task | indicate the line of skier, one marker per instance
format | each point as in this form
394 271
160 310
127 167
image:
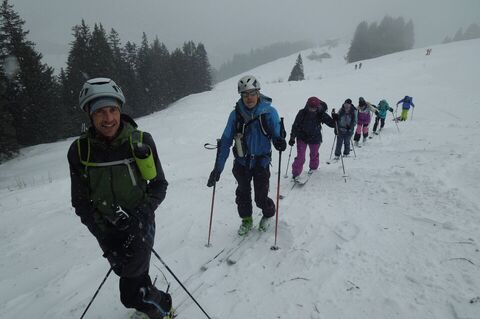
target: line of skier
117 180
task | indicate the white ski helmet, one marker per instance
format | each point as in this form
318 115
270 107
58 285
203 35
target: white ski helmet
247 83
99 87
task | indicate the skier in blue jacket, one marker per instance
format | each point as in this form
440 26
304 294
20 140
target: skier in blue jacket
254 124
407 102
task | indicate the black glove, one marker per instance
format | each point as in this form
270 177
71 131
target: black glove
280 144
144 216
335 116
348 127
335 131
291 142
214 178
391 110
376 113
121 219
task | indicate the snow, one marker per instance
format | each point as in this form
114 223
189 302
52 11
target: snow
399 239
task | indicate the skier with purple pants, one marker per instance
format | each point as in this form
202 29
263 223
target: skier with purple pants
307 129
363 119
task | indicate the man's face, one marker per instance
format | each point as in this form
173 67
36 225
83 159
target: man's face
107 121
250 98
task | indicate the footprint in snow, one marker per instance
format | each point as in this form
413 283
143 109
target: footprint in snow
346 230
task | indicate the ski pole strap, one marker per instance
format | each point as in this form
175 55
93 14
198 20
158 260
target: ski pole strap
209 146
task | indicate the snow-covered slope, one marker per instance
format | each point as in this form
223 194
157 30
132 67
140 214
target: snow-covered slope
399 239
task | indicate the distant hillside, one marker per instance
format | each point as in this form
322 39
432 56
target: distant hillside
246 61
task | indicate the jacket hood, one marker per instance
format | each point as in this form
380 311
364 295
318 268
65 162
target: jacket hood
264 102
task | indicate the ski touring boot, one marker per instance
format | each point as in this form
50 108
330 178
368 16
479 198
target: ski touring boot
160 302
264 224
246 226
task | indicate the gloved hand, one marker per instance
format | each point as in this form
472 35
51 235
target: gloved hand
391 110
280 144
335 130
335 116
144 216
214 178
376 113
291 142
121 219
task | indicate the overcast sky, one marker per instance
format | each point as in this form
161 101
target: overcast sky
235 26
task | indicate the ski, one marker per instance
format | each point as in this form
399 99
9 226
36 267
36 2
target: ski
235 255
221 255
140 315
299 182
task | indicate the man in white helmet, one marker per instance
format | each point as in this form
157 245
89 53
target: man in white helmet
115 197
254 125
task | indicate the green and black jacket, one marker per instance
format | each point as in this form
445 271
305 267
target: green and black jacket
96 190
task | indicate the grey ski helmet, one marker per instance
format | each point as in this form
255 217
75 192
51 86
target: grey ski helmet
247 83
99 87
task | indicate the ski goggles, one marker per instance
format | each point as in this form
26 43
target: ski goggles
249 93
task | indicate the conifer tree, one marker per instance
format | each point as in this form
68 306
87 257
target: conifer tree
31 90
77 72
202 69
297 71
8 136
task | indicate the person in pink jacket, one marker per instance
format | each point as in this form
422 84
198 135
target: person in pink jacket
364 111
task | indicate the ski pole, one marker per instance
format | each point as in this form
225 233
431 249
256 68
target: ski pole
283 134
334 139
168 268
353 147
179 282
396 123
96 292
341 156
288 162
411 116
211 215
207 146
343 166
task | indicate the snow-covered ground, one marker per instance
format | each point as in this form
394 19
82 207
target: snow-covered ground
399 239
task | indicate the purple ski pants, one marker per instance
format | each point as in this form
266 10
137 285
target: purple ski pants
298 162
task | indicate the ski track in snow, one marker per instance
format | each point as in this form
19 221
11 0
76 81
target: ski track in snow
399 239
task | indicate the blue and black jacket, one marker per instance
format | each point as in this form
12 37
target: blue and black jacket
258 134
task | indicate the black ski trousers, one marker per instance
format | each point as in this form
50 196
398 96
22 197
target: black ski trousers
261 182
133 272
382 123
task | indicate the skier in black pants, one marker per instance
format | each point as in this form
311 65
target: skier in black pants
345 122
116 197
254 125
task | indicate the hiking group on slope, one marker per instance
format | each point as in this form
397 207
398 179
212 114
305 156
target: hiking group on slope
117 180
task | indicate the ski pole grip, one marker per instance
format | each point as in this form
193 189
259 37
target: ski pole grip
283 133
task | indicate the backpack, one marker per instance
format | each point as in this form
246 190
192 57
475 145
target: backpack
83 148
242 121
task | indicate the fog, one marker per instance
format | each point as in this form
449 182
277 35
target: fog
231 26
